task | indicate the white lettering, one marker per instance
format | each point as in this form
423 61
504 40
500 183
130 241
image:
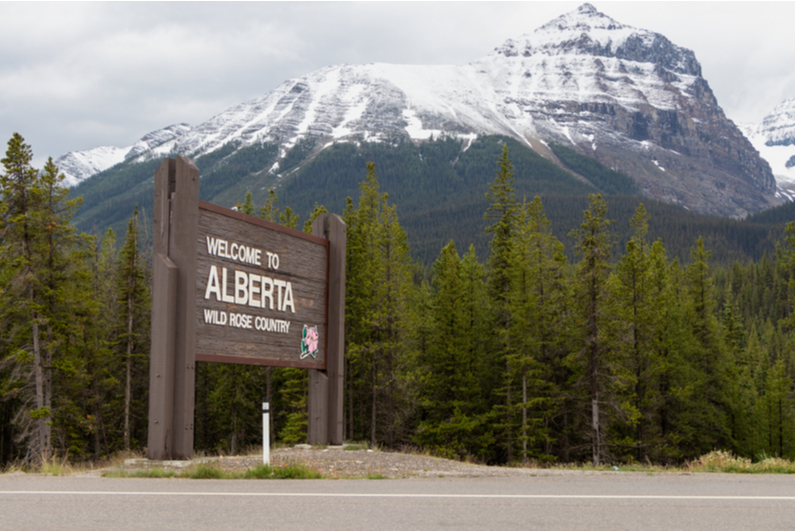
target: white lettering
241 287
253 289
212 284
288 298
240 320
212 245
224 295
267 291
264 324
279 284
214 317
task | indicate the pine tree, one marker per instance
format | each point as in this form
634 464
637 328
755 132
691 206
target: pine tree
592 299
66 310
269 211
247 207
389 316
778 411
377 290
43 304
709 406
22 201
449 390
536 305
502 212
104 336
133 316
363 271
639 311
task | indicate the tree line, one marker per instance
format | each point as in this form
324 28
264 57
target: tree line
615 355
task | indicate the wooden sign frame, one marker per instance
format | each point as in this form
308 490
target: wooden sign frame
283 279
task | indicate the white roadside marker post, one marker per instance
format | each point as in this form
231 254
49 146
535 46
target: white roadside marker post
266 435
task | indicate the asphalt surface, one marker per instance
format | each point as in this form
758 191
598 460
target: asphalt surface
571 501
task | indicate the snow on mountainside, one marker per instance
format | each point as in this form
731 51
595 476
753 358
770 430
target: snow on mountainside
79 165
775 140
628 97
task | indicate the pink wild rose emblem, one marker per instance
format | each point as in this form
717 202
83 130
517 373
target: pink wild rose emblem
309 342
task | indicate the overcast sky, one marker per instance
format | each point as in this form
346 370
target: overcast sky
75 76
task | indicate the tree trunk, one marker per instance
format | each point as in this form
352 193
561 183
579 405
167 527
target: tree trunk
373 408
128 385
524 415
43 429
350 398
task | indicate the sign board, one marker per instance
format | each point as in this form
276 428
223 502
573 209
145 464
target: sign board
231 288
261 292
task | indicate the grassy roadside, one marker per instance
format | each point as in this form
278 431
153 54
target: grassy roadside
714 462
210 471
717 461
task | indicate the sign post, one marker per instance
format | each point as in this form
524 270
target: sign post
231 288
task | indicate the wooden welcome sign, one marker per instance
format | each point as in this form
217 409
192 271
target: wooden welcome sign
261 292
231 288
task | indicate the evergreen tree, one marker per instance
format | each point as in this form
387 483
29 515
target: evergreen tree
247 207
43 291
378 278
134 313
104 336
709 406
502 211
536 307
269 211
449 387
22 304
594 356
639 312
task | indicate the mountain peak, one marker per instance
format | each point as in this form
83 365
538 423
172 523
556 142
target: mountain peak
585 17
587 31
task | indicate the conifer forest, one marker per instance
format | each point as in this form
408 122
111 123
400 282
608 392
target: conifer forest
619 354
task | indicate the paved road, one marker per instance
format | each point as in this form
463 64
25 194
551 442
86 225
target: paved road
571 501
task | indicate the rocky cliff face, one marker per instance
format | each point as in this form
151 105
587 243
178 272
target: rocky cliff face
625 96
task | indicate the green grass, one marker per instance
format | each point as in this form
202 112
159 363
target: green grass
142 473
204 471
210 471
290 471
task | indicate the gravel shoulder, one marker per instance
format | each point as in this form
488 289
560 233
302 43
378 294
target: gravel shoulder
337 462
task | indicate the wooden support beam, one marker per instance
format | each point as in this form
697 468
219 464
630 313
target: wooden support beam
326 398
164 306
335 360
182 251
161 366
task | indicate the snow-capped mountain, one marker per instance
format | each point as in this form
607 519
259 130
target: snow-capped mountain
775 140
628 97
78 165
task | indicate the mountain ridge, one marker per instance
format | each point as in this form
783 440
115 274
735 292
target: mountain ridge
627 97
